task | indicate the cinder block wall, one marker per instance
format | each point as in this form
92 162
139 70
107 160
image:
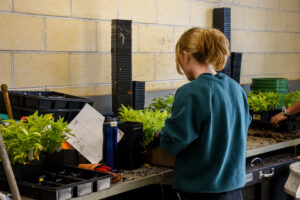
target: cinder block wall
64 45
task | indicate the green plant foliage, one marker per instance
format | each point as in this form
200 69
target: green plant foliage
162 104
21 141
24 140
263 101
152 121
291 98
53 133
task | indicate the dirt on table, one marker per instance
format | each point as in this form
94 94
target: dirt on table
142 172
262 137
256 139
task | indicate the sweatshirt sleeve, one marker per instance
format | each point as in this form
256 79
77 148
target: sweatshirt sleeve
183 127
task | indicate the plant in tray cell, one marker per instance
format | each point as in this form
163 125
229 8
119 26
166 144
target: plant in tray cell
273 100
153 120
23 143
53 133
257 102
291 98
25 140
263 101
162 104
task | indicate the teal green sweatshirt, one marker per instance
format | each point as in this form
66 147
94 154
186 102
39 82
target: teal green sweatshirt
208 134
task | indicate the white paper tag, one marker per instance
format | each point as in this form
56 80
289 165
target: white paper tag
120 135
87 127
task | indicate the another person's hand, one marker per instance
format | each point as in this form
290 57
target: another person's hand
277 118
156 142
157 134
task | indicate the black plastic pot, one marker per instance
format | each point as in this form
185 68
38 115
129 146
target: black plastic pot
24 172
130 148
67 157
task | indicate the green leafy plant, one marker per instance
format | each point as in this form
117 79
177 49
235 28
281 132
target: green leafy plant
24 140
152 121
263 101
53 133
162 104
291 98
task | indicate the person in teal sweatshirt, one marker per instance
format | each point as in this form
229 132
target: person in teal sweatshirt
207 130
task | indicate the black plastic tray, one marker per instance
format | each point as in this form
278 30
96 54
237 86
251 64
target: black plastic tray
61 182
43 100
285 126
18 112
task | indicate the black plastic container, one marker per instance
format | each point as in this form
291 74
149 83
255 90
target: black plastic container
44 100
284 126
67 157
227 69
61 182
121 42
222 21
24 172
138 88
236 63
67 114
264 116
130 147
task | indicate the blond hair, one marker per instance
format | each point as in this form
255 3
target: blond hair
207 46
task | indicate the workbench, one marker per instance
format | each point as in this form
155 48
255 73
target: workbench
259 142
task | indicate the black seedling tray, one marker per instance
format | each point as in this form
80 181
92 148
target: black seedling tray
61 182
138 88
43 100
236 63
264 116
18 112
24 172
285 126
121 63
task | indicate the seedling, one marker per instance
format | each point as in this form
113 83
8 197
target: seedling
263 101
162 104
25 140
291 98
152 121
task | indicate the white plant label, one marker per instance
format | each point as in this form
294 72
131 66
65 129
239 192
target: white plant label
87 127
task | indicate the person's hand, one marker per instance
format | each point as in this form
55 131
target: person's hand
157 134
156 141
276 119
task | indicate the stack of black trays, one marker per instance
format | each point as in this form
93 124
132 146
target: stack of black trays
222 22
25 103
138 95
121 42
236 63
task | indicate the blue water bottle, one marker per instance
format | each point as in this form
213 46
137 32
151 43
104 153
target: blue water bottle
110 144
